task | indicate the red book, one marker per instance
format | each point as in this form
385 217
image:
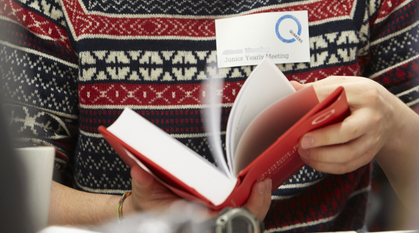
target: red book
265 124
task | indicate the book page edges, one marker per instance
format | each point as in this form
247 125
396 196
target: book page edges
281 160
271 123
265 86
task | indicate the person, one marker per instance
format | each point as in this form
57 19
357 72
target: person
70 66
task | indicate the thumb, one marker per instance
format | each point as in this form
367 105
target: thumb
147 192
141 177
260 199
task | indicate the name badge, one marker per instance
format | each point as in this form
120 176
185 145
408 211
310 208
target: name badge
247 40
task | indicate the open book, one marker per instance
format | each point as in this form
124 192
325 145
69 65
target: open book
264 127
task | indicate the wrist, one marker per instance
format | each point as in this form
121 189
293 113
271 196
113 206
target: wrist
401 134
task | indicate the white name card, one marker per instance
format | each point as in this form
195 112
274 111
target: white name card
246 40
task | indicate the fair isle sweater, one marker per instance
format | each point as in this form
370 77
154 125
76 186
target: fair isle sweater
69 66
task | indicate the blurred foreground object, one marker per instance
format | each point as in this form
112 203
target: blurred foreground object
37 167
14 216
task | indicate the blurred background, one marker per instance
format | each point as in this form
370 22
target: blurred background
385 210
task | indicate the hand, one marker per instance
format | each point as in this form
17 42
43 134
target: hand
148 194
346 146
379 125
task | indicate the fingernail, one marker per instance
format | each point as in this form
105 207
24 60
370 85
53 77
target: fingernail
307 142
261 187
303 152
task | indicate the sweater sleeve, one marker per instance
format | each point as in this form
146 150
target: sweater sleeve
38 73
394 48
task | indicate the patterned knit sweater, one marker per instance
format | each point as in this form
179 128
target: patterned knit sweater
69 66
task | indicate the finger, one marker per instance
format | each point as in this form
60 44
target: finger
337 80
340 168
325 87
260 199
266 200
148 193
147 187
143 178
358 89
343 153
297 86
352 127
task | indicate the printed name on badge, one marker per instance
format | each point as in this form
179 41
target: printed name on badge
246 40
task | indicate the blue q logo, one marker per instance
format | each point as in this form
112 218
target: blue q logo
295 35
